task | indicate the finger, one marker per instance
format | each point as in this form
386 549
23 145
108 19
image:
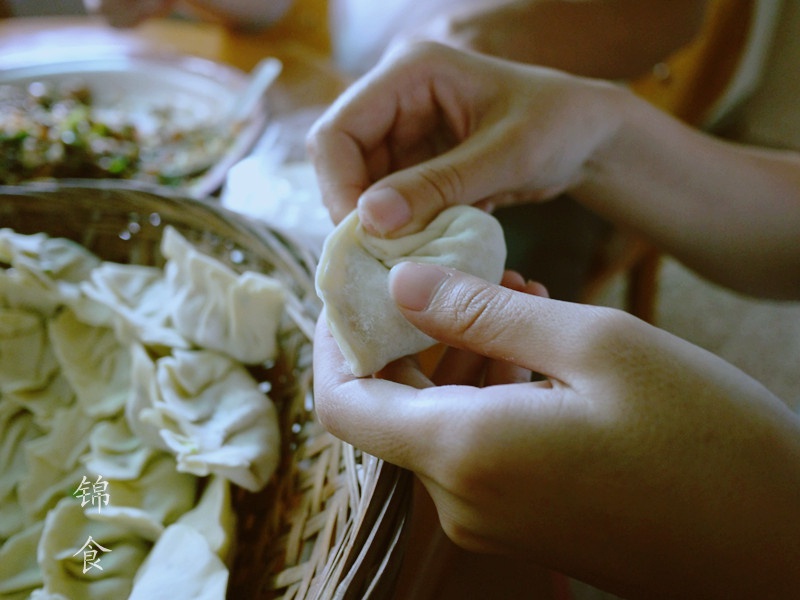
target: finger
340 168
406 371
423 430
405 201
401 424
464 367
556 339
349 139
460 367
384 418
499 371
425 93
513 280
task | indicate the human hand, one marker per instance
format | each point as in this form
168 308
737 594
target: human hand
430 127
128 13
642 464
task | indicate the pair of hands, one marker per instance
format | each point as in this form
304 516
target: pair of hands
640 463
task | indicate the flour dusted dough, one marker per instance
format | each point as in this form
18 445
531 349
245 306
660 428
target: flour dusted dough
218 309
354 268
208 411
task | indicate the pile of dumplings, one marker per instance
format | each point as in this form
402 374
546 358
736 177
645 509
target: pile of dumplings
137 376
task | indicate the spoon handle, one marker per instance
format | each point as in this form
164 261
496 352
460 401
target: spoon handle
261 77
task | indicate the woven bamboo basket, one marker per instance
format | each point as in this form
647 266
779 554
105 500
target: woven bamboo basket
331 522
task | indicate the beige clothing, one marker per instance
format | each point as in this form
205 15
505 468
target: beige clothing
770 114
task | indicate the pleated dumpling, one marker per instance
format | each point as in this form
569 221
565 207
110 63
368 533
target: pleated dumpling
55 266
218 309
26 362
352 280
53 462
209 412
133 300
68 534
149 503
181 566
17 428
188 560
19 571
94 362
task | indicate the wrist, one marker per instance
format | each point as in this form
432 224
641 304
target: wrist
614 147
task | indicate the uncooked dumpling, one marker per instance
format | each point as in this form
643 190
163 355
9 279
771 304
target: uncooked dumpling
207 410
19 571
181 566
131 299
55 266
67 530
214 518
26 362
218 309
94 363
354 268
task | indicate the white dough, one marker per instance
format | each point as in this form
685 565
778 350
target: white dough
207 410
218 309
352 280
181 566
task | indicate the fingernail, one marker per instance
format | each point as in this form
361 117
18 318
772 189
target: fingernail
383 211
413 285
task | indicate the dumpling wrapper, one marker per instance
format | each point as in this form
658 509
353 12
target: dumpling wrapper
45 402
181 566
134 301
42 594
20 289
94 362
26 362
19 571
214 518
57 264
17 428
66 529
48 257
12 517
115 452
159 496
53 462
218 309
207 410
352 280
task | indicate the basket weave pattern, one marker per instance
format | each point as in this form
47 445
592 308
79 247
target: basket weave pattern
331 522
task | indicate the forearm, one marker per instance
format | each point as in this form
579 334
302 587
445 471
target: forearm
730 212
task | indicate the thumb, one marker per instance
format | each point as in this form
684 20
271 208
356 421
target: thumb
554 338
407 200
